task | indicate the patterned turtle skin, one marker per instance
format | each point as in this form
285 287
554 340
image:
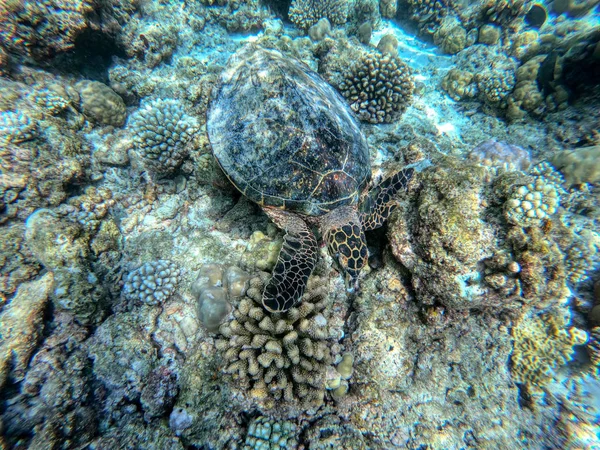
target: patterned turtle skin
289 142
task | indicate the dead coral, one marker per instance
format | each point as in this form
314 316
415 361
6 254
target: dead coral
279 357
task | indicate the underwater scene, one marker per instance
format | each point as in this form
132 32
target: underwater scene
299 224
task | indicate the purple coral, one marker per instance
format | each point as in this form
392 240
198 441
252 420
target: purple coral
500 155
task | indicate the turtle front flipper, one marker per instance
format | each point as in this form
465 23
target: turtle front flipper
381 201
296 261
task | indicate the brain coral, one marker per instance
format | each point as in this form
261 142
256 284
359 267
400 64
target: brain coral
101 103
379 87
161 131
283 356
306 13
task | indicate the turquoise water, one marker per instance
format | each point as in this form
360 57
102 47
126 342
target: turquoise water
362 224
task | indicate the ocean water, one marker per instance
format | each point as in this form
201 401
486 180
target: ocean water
334 224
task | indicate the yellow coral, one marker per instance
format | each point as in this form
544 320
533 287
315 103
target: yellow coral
541 345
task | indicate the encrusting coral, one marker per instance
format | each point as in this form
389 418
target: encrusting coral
282 356
541 345
379 87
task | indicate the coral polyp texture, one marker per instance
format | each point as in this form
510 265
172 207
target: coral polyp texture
100 103
153 282
16 127
532 203
264 433
279 357
379 87
161 129
429 13
542 345
306 13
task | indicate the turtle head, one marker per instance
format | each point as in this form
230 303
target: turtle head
348 248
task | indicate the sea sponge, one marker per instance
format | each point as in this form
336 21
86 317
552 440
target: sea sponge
265 433
379 87
581 165
279 357
153 282
306 13
16 127
541 345
161 129
101 103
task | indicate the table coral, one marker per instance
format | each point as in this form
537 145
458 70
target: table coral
379 87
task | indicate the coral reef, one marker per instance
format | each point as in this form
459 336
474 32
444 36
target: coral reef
279 357
100 103
429 13
215 288
21 323
16 127
268 434
500 156
530 204
161 129
379 88
306 13
505 11
542 345
153 282
581 165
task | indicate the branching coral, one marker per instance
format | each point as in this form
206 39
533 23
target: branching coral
306 13
378 87
279 357
161 130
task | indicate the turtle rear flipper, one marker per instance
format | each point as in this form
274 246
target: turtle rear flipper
381 201
296 261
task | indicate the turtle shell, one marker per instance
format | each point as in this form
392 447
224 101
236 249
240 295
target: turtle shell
284 137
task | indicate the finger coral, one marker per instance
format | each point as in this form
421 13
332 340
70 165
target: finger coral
153 282
161 130
279 357
379 88
306 13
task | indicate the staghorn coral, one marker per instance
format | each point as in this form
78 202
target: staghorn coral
100 103
279 357
306 13
161 129
379 87
153 282
541 345
265 433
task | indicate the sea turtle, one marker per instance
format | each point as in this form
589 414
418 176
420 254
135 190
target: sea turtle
289 142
